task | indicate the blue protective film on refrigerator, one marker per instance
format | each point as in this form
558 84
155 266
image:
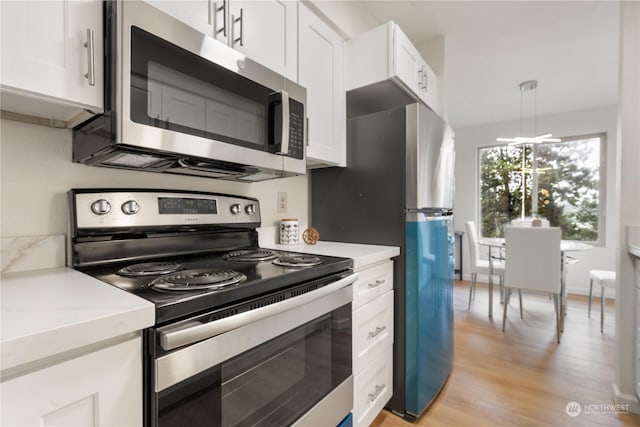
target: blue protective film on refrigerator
429 309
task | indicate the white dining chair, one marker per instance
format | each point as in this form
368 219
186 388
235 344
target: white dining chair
606 279
478 265
533 263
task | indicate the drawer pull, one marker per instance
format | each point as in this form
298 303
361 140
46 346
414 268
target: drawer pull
377 283
373 396
377 331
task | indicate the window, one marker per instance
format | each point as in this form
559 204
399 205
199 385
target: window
568 176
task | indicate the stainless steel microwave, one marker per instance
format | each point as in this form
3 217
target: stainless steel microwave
179 101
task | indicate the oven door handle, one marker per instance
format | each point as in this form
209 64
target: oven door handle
180 335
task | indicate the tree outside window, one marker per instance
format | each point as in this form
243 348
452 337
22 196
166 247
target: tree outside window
568 177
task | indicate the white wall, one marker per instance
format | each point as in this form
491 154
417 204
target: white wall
37 171
350 18
629 207
469 139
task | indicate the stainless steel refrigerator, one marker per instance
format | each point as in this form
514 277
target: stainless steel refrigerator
397 189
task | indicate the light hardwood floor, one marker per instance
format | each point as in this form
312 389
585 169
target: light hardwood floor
523 377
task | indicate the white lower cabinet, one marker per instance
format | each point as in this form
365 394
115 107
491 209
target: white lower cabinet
372 283
373 388
372 331
102 388
372 341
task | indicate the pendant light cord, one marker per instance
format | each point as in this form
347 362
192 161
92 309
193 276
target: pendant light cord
535 111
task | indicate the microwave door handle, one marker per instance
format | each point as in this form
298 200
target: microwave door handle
284 142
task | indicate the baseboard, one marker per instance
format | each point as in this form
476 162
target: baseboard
626 399
483 280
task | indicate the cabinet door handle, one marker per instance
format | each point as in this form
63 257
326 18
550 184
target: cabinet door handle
91 69
239 19
377 283
424 78
373 396
377 332
420 77
215 11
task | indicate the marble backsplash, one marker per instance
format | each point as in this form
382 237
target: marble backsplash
23 253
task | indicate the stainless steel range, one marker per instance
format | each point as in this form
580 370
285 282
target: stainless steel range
243 335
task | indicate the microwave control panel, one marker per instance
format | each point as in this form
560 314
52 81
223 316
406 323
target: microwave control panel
296 130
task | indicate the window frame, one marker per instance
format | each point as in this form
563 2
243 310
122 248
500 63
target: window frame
602 183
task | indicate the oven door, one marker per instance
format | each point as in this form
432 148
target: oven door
185 93
289 365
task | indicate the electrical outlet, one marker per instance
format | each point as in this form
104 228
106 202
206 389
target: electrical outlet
282 202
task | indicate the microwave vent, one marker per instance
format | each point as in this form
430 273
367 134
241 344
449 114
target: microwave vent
132 160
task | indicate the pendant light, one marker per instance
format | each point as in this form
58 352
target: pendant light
529 85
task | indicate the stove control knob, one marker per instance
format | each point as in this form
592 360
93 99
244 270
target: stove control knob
101 207
236 208
250 209
130 207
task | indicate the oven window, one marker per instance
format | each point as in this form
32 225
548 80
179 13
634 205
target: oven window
270 385
172 88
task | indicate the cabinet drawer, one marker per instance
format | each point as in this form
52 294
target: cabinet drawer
372 331
373 388
372 283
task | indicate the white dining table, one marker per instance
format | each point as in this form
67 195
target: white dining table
565 247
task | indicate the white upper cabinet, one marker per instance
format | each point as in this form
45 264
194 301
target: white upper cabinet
52 53
199 14
384 53
266 32
408 64
263 30
414 71
321 71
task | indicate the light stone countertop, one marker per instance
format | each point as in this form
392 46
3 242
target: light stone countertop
52 311
362 255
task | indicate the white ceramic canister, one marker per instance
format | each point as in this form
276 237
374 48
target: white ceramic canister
289 232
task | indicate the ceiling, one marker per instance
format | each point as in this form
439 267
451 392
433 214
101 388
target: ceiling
490 47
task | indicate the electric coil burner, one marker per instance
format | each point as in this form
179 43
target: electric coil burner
188 280
149 269
297 260
229 315
251 255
